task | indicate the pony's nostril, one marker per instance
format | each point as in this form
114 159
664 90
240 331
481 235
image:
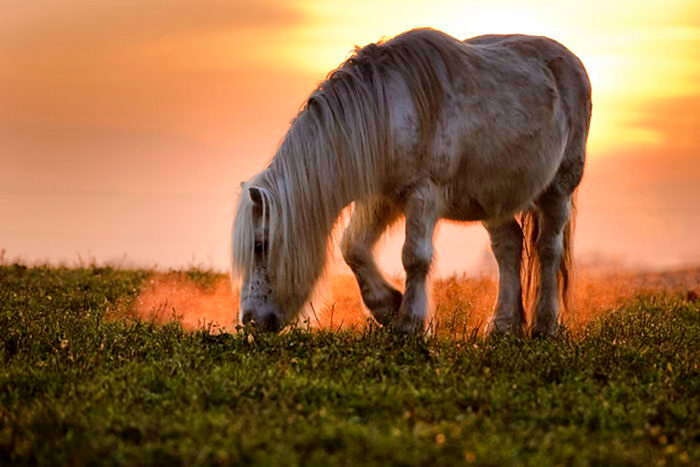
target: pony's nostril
270 323
247 317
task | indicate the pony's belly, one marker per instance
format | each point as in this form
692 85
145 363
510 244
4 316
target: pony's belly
466 209
475 208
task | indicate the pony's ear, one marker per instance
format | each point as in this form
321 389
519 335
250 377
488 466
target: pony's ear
256 196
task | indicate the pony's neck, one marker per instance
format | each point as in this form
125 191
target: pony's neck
329 158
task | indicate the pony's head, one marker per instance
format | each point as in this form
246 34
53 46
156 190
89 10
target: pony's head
253 238
274 252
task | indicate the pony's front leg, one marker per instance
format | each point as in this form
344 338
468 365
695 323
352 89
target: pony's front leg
368 221
507 246
417 254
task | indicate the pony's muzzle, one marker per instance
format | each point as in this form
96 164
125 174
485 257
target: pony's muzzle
268 322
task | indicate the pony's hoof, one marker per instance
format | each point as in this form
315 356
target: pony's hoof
406 323
505 327
546 330
387 310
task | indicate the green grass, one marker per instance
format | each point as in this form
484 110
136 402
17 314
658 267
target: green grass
78 387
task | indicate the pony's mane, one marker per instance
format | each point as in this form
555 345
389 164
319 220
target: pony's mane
336 151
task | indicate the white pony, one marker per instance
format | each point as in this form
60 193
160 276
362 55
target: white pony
429 127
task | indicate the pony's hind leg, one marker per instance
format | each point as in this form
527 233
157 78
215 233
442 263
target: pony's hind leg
507 246
554 210
421 213
368 221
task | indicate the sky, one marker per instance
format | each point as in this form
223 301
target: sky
127 126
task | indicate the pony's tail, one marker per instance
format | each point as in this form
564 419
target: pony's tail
530 270
530 223
566 268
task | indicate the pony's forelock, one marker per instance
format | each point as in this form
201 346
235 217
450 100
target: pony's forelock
248 215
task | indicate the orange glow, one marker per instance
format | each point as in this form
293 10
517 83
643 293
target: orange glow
169 298
463 305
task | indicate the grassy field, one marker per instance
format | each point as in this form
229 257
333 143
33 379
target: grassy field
85 380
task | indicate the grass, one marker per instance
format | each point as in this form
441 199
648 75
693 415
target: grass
81 384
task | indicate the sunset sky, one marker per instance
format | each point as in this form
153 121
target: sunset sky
126 126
